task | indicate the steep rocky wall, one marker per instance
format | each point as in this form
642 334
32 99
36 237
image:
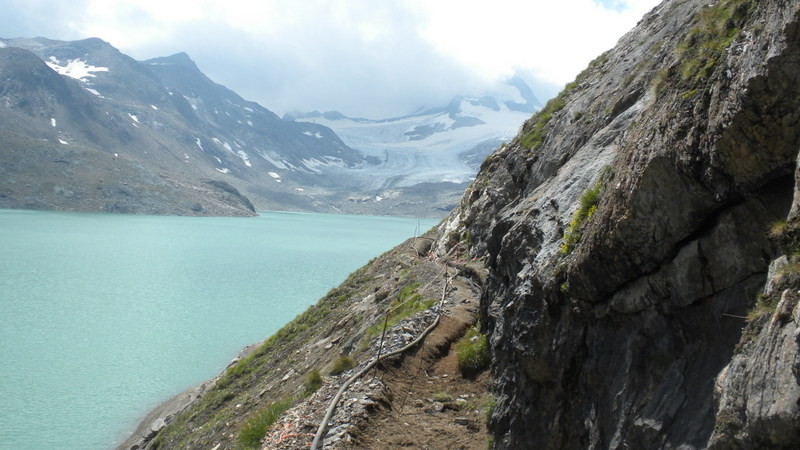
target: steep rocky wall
610 321
757 393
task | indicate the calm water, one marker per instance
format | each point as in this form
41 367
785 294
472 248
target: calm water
102 317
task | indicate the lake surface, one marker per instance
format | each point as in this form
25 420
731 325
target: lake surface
104 316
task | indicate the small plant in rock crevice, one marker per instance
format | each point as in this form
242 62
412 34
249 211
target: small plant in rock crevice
777 229
472 353
765 305
586 208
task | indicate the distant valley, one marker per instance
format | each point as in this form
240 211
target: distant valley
85 127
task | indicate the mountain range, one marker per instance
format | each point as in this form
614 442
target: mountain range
85 127
433 145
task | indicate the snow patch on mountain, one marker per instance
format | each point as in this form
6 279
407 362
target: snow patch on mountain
225 145
244 158
74 68
279 163
193 102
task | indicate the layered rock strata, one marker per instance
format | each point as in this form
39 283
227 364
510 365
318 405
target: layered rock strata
626 232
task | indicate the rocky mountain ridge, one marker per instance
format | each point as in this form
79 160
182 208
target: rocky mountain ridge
162 116
61 150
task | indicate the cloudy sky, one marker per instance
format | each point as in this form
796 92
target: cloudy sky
368 58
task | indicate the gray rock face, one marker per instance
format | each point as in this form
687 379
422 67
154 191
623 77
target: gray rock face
686 132
758 391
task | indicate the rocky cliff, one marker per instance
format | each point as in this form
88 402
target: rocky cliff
626 231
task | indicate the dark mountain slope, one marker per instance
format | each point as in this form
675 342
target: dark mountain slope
165 116
59 152
218 111
625 230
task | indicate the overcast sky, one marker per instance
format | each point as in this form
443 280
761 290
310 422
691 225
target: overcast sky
368 58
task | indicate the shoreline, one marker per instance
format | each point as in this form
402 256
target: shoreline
160 416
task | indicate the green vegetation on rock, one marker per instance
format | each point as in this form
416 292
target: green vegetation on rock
472 353
718 25
255 428
534 129
534 136
408 302
586 208
342 364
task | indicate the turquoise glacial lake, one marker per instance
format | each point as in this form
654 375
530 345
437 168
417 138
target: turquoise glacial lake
102 317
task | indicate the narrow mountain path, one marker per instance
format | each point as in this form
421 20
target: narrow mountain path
414 399
427 404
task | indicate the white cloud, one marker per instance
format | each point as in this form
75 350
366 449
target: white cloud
554 39
363 57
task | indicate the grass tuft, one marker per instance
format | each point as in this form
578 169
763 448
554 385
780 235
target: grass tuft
472 353
442 397
255 428
342 364
311 382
